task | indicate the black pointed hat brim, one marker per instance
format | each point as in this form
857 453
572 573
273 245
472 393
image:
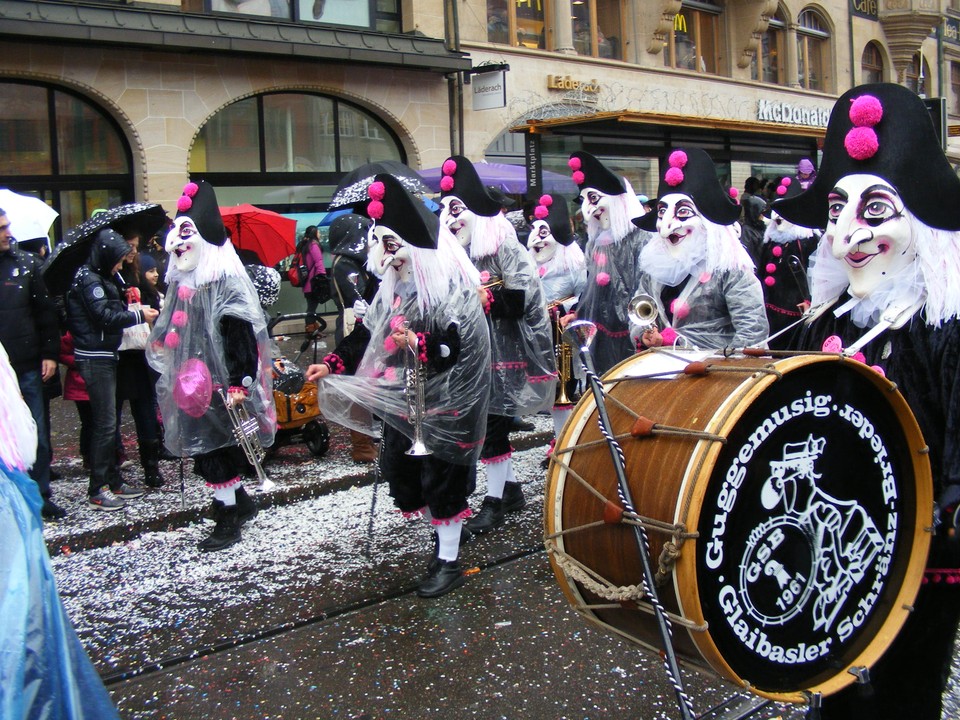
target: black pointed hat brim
557 216
199 203
392 205
588 172
691 172
459 178
885 130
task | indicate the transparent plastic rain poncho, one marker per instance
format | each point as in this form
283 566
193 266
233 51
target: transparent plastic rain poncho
44 669
455 400
186 348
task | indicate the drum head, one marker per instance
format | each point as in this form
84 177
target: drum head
811 528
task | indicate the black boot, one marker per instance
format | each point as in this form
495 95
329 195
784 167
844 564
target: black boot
150 460
445 578
513 499
227 530
434 562
246 506
489 517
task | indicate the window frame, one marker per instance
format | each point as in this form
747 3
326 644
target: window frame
699 10
807 34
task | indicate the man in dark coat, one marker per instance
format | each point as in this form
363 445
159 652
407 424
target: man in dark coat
29 332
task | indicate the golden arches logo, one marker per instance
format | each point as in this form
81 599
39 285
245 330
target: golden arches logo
680 22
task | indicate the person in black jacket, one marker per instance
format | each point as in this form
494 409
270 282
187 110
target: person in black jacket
96 317
29 333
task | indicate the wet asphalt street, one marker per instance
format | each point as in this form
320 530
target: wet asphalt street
313 614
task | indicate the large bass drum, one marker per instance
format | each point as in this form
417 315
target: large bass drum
788 504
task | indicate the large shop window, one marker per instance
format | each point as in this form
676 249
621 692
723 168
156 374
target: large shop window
597 28
64 149
813 52
694 43
516 22
288 149
382 15
767 65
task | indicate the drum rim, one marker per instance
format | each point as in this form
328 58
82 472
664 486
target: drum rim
689 505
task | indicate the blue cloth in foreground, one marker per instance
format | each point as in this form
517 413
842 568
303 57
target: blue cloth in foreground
45 673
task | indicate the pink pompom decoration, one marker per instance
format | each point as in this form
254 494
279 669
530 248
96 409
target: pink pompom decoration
540 212
866 111
777 251
190 189
546 200
677 159
861 143
781 190
396 322
389 345
185 293
771 268
184 203
574 163
668 336
673 177
579 178
375 209
600 259
446 183
179 318
603 279
172 340
769 281
832 344
390 374
484 276
377 190
542 270
879 370
193 388
734 193
786 182
680 310
449 167
705 277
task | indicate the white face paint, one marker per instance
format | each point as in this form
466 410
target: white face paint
596 205
781 224
396 252
541 242
460 219
679 223
184 244
377 261
868 230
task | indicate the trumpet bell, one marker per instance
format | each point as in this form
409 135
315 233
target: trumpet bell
642 310
418 449
580 334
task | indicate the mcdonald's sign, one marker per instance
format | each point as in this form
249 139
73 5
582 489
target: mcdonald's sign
680 22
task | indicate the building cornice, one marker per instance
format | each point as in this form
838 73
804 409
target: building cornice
173 30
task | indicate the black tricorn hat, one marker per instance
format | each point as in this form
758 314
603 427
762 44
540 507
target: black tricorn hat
690 171
553 210
787 187
459 178
199 203
590 172
393 206
885 130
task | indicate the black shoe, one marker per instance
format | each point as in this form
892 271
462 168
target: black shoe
434 562
52 511
521 425
489 517
447 577
225 533
55 475
246 506
513 499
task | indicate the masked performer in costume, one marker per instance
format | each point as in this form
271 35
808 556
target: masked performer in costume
695 269
784 258
613 247
423 337
209 342
563 273
46 672
522 377
888 198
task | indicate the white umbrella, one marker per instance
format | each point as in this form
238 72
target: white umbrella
29 217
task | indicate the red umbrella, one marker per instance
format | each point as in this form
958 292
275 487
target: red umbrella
270 235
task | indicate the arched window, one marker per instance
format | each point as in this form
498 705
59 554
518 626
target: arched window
813 52
871 64
770 67
918 76
64 149
694 43
285 150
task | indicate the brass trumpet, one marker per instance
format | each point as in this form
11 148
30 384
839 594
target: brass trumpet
246 430
564 355
416 403
642 311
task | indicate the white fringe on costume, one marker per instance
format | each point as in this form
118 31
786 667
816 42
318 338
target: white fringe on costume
623 208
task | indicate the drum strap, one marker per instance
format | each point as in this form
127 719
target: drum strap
893 317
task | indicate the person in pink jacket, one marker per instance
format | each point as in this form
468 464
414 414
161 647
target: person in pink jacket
316 289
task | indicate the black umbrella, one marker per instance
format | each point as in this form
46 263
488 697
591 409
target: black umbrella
353 186
59 269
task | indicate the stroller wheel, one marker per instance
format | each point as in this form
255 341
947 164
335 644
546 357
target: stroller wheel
316 436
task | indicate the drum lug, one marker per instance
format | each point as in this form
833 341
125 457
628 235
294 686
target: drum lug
861 673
